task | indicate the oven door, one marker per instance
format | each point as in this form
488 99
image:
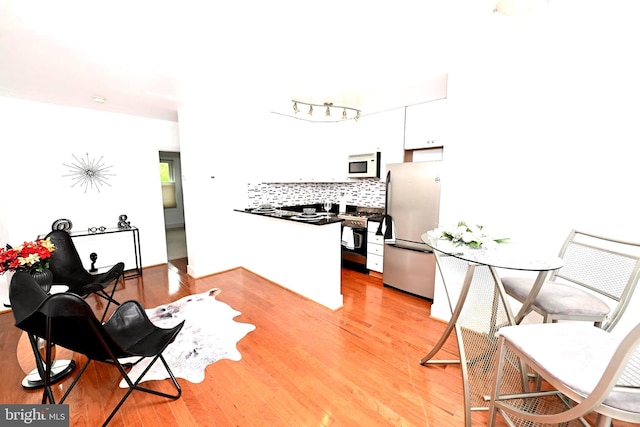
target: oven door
357 255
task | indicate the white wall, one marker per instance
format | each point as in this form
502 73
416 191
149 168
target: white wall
544 127
216 155
37 139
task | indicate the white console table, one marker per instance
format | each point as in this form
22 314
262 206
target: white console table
132 245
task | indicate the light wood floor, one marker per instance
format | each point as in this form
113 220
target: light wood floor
304 365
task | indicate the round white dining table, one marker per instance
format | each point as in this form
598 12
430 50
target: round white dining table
480 307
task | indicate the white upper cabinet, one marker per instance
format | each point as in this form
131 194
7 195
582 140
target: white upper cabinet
424 125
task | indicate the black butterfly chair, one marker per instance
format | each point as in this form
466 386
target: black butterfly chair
66 320
67 269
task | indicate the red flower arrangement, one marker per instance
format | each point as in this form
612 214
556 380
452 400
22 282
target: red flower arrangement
28 257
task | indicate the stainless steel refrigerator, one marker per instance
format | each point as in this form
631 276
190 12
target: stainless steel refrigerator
413 203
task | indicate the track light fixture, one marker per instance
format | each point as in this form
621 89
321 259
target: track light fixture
347 112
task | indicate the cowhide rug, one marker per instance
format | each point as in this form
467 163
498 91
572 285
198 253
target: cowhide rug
208 335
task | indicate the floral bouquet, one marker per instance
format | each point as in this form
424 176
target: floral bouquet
473 236
30 256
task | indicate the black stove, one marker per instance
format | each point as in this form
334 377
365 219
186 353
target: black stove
354 228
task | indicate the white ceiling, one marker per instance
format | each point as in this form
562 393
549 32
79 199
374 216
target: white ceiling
146 56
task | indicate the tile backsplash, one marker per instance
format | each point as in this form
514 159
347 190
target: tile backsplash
361 192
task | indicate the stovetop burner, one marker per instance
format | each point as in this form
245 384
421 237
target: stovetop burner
359 217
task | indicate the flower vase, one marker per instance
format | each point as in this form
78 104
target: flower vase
43 278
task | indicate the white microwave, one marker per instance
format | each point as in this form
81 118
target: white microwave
364 165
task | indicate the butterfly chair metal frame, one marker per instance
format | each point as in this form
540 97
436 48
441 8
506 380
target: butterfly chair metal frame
590 369
65 319
68 269
594 267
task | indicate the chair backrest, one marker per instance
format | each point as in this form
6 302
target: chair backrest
64 319
607 266
623 374
65 263
25 298
630 376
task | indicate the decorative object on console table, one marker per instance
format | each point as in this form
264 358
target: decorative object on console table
62 224
123 224
93 257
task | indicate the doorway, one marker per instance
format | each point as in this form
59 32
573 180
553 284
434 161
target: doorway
171 181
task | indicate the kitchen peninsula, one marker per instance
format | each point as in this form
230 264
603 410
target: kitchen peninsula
302 256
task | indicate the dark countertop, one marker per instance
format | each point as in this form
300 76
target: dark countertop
377 218
289 215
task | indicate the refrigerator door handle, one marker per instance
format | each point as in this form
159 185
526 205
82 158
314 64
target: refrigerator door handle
405 247
386 193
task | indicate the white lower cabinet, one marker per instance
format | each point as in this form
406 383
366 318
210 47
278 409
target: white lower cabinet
375 247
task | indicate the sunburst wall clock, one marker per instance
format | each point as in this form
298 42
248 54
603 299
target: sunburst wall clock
88 173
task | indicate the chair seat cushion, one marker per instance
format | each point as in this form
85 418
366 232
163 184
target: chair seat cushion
558 298
132 330
575 354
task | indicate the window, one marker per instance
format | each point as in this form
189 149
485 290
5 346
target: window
166 170
168 184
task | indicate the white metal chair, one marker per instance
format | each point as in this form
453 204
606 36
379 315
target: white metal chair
592 370
596 269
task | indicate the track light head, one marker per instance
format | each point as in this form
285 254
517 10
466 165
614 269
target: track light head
328 111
